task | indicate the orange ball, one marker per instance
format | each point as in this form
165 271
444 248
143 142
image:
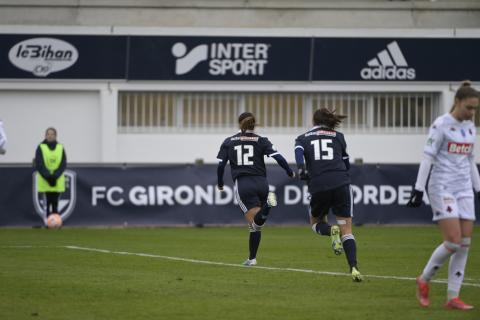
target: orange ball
54 221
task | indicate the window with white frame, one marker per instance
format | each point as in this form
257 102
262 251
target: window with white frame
399 112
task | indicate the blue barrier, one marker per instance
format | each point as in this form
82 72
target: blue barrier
186 195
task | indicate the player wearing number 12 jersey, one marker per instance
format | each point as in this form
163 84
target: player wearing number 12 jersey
322 160
246 151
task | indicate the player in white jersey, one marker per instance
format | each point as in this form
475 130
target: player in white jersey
3 139
449 155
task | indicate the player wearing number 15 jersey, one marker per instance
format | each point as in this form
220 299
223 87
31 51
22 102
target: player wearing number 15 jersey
323 150
246 151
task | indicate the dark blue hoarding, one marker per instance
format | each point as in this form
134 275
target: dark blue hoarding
186 195
219 58
63 57
203 58
403 59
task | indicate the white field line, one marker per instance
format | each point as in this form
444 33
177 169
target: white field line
24 247
477 285
255 267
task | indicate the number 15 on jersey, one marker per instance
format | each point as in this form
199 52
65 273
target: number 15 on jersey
322 149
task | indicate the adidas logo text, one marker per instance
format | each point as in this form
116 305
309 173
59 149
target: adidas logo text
390 65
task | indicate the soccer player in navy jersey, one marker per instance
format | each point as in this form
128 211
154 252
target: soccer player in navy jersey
245 151
322 161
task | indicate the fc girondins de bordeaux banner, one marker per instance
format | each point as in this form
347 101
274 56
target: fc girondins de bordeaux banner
186 195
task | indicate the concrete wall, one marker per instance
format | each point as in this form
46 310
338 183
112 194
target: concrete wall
85 114
75 114
244 14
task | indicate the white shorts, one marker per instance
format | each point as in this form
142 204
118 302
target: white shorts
447 205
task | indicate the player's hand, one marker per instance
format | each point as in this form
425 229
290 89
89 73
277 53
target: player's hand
415 200
220 188
303 174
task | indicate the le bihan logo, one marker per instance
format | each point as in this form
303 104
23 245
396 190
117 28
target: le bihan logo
390 64
239 59
42 56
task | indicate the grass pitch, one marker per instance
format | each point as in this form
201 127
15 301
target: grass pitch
42 277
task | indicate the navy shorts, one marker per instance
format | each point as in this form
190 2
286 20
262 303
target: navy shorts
340 200
251 192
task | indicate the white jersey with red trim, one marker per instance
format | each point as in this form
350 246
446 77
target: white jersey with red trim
450 143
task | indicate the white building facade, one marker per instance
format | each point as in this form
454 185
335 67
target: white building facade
136 119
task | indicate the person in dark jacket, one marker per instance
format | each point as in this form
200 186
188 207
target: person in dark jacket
50 164
3 139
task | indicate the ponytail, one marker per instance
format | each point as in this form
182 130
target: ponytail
246 121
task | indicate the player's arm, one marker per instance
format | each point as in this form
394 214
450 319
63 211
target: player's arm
345 156
3 141
282 162
222 158
475 175
61 169
40 165
272 152
434 141
300 160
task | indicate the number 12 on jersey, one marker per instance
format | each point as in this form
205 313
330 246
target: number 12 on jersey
322 149
244 156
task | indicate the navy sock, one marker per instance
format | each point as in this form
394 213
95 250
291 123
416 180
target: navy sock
262 215
323 228
350 248
254 242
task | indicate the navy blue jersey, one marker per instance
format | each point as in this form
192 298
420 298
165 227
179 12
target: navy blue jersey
245 153
325 152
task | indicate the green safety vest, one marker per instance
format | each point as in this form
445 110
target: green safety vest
52 160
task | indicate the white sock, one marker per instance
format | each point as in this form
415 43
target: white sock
438 258
456 269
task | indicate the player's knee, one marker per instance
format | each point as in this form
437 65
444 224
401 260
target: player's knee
466 241
451 246
253 227
348 236
465 244
345 225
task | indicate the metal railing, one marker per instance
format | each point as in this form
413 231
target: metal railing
197 112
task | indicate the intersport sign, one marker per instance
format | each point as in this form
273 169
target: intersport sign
218 58
235 58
